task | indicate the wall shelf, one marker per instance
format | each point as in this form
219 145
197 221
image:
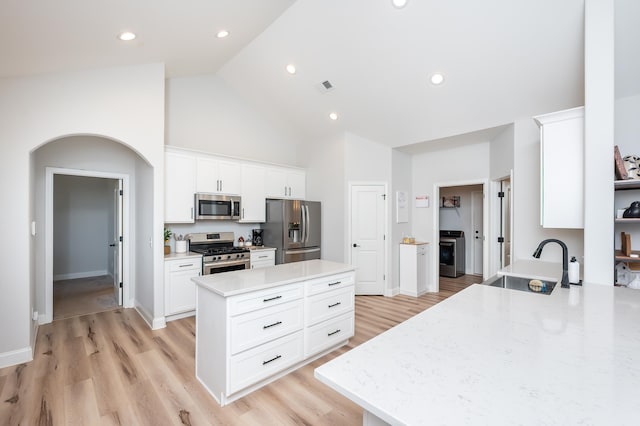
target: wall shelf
622 258
627 184
630 220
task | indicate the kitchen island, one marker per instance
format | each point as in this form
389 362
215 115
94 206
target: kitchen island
490 355
255 325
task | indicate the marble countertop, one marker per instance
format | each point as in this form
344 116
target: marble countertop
489 355
260 248
238 282
178 256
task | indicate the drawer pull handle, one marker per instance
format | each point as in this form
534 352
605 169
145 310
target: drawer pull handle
334 305
262 257
336 283
184 266
271 325
333 332
271 360
271 298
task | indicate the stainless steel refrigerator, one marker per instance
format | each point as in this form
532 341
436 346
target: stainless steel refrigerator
293 228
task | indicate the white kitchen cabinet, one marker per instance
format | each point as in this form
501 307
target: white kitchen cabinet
253 207
218 176
179 290
263 258
285 183
414 269
562 168
179 187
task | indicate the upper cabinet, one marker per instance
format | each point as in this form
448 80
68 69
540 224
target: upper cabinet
286 183
179 187
562 168
253 205
188 172
218 176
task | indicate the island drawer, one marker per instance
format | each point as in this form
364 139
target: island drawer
263 361
264 298
332 282
258 327
328 333
327 305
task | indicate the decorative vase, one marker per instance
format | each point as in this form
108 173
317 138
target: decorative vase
167 249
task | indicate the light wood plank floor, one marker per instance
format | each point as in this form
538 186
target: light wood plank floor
111 369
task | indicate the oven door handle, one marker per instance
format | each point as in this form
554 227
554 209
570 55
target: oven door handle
227 263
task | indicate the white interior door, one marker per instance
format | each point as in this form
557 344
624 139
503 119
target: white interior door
367 237
477 200
117 243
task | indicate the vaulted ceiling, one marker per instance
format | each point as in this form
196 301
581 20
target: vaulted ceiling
501 59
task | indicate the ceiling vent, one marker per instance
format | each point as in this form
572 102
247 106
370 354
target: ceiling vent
325 86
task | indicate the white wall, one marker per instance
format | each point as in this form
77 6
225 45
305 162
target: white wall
527 231
82 218
126 104
324 161
627 125
401 180
205 114
501 157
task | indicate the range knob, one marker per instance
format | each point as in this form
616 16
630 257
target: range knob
229 257
219 258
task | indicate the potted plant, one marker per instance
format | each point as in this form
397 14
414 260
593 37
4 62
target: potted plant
167 235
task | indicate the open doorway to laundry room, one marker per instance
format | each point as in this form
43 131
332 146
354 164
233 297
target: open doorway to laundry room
87 246
461 232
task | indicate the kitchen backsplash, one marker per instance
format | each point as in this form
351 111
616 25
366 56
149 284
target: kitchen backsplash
238 229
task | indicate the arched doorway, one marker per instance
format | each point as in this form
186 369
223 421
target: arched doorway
89 156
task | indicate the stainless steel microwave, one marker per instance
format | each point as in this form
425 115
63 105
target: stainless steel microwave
217 207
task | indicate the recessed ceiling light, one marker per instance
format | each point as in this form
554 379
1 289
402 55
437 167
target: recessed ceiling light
222 33
126 36
399 4
437 78
291 69
333 116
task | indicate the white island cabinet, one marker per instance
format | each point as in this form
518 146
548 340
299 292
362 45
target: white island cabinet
255 325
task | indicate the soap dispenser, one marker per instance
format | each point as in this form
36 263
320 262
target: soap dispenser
574 271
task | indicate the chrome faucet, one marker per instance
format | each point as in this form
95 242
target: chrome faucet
565 259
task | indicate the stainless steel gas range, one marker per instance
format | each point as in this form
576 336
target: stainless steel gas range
218 252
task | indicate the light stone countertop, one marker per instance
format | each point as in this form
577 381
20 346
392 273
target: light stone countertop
178 256
490 355
533 268
260 248
238 282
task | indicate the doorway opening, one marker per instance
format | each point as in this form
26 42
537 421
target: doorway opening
87 257
86 234
459 231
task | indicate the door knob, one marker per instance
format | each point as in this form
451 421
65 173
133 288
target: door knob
355 245
112 245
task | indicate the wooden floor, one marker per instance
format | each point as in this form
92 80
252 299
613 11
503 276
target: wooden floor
111 369
82 296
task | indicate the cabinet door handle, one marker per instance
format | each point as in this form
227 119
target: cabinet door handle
333 332
264 327
271 298
184 266
336 283
285 191
220 185
191 212
334 305
271 360
243 212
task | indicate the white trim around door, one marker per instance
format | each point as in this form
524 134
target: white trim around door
47 316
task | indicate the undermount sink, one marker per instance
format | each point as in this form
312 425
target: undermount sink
521 284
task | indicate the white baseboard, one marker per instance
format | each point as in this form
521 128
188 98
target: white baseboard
76 275
153 323
390 292
19 356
